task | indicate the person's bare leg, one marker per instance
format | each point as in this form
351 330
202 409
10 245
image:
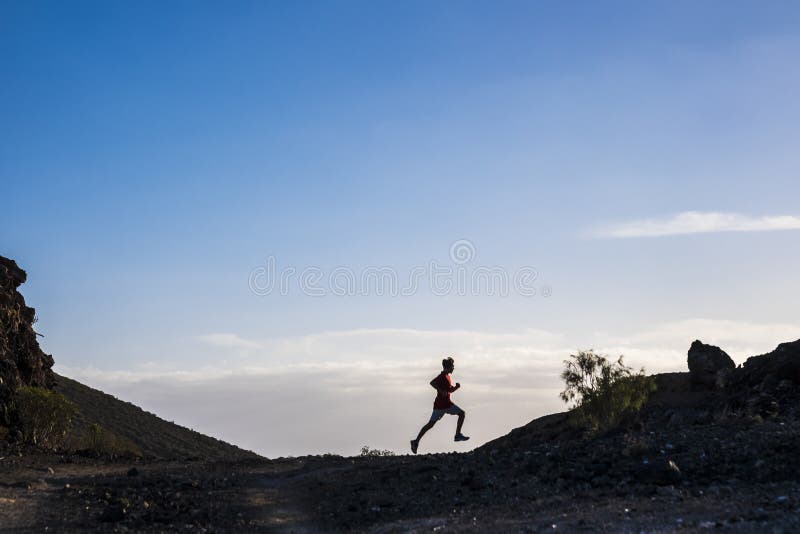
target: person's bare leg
415 442
460 422
424 429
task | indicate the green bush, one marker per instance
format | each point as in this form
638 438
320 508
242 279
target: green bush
603 393
366 451
43 417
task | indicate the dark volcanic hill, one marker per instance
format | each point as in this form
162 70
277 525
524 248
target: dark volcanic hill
154 436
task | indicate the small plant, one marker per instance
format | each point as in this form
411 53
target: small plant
366 451
637 449
755 419
43 417
99 442
603 392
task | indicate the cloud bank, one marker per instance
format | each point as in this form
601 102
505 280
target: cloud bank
697 222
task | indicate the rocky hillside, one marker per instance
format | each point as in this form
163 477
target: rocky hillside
155 437
22 361
763 389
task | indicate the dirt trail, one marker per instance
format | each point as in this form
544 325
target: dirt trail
426 493
42 492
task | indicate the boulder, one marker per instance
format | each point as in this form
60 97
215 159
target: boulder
709 366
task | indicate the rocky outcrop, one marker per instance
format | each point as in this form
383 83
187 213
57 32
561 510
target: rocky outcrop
767 385
780 366
22 361
709 366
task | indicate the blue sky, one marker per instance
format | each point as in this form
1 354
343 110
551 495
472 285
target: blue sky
152 155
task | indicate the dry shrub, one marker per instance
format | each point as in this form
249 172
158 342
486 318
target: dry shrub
604 393
99 442
43 417
367 451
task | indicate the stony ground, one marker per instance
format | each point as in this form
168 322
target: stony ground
736 474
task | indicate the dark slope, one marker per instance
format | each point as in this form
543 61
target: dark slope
155 437
672 401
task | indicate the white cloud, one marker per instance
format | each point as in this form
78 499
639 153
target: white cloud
228 340
384 350
698 222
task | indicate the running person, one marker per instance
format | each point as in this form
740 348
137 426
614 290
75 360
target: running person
442 404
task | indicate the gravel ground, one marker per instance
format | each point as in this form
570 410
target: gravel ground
735 475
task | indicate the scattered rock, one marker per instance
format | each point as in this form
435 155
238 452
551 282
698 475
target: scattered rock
659 472
112 513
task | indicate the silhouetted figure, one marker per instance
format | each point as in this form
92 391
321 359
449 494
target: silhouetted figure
442 404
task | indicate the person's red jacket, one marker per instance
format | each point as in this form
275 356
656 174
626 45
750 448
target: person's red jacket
443 387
